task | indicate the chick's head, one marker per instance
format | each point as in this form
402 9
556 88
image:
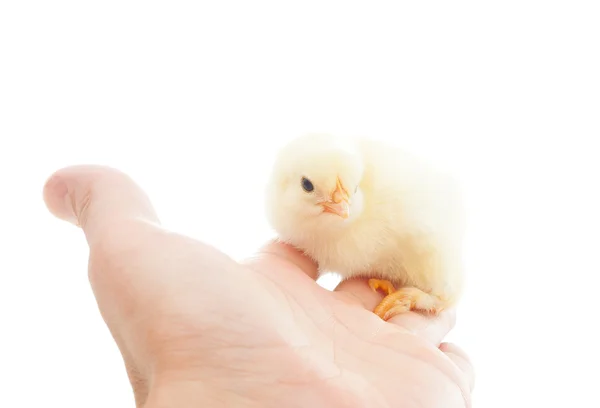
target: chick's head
315 185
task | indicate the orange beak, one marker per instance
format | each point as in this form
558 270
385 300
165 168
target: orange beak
339 203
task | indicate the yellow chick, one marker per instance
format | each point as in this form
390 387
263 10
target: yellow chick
361 208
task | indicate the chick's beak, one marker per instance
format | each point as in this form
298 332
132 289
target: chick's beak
339 203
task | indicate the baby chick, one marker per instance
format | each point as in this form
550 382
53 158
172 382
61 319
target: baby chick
361 208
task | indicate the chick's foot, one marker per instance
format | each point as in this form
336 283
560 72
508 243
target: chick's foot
398 301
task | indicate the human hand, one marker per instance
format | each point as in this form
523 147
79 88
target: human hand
195 327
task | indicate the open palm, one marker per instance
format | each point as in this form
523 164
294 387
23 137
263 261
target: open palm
195 326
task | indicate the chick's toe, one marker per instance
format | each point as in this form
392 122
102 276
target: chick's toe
384 285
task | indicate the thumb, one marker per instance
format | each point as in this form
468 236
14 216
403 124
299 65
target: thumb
96 198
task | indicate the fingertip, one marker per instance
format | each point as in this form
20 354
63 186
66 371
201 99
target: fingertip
55 195
454 349
94 197
68 190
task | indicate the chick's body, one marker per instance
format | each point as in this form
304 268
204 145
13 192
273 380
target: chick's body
404 228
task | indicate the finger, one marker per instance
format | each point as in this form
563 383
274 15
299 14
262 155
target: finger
433 329
276 253
359 290
98 199
129 253
105 203
462 361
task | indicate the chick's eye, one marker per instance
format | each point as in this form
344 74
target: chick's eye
307 185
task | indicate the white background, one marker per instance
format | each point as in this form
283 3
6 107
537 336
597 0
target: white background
193 98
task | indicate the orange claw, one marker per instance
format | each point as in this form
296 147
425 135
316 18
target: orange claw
384 285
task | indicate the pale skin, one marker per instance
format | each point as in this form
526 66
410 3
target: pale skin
196 328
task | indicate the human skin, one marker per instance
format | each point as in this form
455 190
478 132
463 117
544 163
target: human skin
197 328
